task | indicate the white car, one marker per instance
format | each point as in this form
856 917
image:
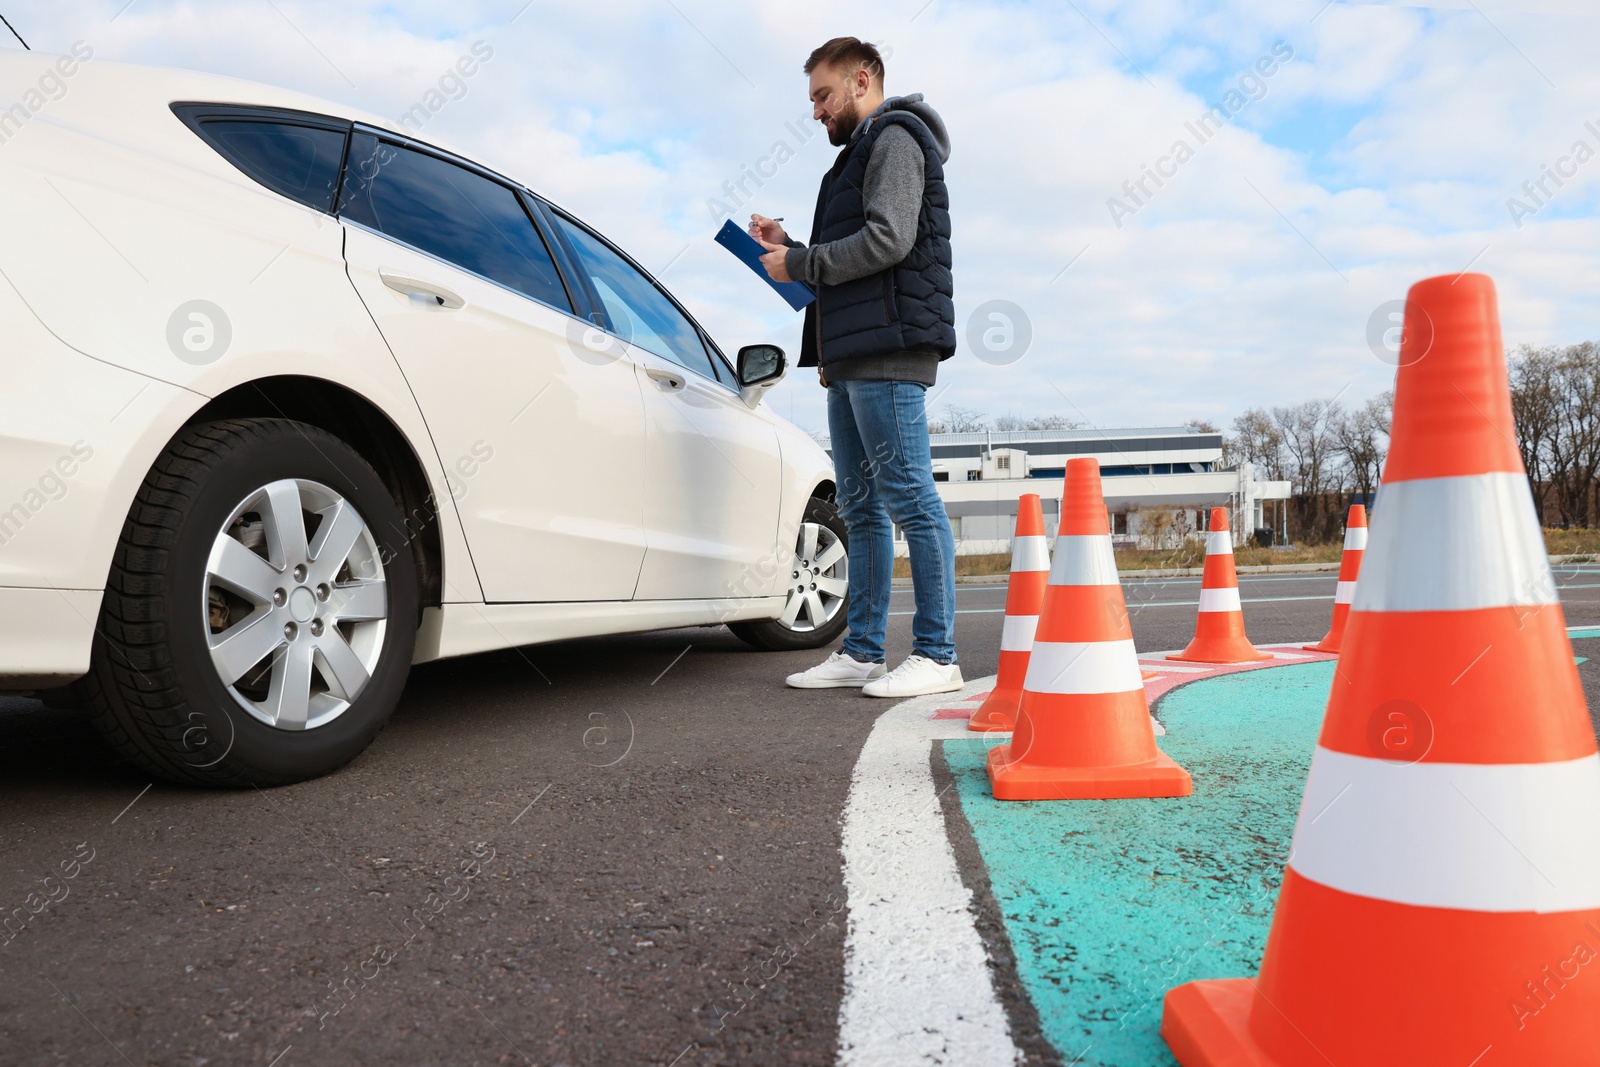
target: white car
292 400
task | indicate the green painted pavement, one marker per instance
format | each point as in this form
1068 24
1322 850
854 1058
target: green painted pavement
1108 904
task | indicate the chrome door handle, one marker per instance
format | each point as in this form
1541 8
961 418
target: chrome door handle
670 381
416 287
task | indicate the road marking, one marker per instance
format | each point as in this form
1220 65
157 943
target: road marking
1135 605
917 986
1162 665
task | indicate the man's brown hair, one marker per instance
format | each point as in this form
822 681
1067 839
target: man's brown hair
848 54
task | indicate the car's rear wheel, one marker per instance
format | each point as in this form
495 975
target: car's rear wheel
817 587
261 611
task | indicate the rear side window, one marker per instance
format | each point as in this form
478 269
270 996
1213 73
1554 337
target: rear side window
293 156
451 212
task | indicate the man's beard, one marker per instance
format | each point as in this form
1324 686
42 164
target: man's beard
844 124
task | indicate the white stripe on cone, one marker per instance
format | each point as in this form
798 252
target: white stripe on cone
1219 543
1016 633
1478 837
1084 559
1344 593
1083 667
1424 557
1355 539
1030 552
1220 599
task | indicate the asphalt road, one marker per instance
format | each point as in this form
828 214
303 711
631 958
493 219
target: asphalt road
620 850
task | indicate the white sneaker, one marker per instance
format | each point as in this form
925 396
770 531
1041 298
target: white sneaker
838 671
916 677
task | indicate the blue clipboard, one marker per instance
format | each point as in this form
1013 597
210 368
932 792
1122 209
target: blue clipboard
749 251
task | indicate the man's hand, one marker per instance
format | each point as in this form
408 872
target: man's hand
775 261
767 230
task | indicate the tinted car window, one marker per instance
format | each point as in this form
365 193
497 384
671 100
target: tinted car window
451 212
639 311
300 162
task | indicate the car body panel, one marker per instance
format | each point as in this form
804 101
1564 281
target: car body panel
122 217
146 235
713 483
463 629
75 432
548 466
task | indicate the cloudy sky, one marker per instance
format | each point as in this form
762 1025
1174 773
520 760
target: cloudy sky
1381 146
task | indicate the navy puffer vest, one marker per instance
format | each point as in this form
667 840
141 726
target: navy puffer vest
908 306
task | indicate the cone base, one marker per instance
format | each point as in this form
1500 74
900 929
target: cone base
997 714
1207 1024
1328 644
1220 650
1158 777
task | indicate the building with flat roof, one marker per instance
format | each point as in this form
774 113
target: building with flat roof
1160 483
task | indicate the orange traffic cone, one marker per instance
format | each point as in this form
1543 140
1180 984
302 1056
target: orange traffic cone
1219 634
1030 569
1083 727
1355 546
1441 905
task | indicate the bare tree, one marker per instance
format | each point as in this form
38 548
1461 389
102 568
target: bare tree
1578 441
1155 527
962 420
1535 398
1052 422
1362 439
1012 421
1309 440
1258 440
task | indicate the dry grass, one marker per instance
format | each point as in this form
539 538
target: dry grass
966 566
1193 554
1572 542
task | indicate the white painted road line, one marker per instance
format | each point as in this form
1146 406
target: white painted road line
1134 604
916 978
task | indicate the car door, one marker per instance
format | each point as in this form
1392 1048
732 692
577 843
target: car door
713 470
544 443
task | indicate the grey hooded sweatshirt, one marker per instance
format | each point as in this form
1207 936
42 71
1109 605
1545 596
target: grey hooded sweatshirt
893 195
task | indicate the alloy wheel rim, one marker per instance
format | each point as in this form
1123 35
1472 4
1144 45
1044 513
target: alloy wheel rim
295 605
819 579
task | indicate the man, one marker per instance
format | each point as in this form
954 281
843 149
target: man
884 318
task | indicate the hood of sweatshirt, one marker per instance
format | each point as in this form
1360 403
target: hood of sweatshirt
922 110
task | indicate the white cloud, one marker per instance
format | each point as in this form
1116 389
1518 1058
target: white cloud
1207 301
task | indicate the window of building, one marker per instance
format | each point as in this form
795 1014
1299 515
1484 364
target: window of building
446 210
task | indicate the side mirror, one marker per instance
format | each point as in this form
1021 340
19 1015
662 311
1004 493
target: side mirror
760 365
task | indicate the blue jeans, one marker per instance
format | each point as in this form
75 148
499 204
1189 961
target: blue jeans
884 470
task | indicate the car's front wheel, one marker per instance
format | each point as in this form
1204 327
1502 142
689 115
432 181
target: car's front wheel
261 611
817 587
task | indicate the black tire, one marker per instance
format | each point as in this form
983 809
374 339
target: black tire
771 635
155 695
